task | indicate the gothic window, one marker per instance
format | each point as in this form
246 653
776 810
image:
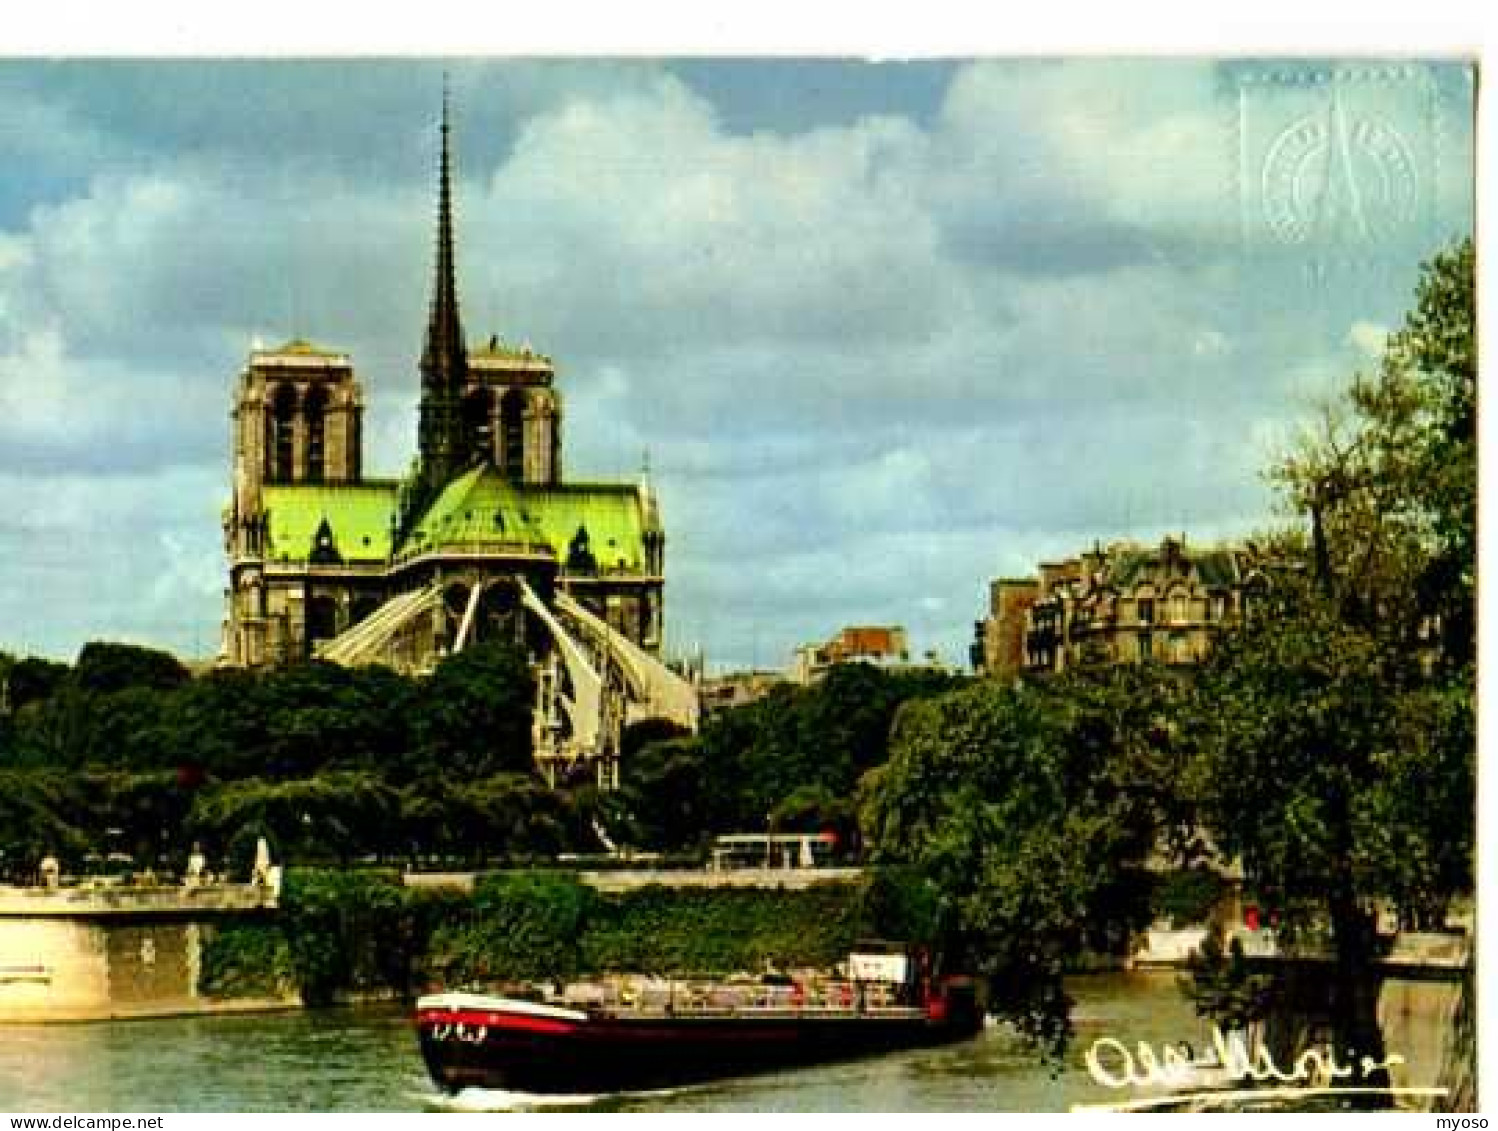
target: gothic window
1146 646
315 409
283 434
513 410
1146 606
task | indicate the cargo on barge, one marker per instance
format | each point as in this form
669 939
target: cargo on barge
634 1037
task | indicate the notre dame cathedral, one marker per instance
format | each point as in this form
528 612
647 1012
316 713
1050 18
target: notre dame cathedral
483 540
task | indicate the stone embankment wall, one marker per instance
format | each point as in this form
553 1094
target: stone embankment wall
82 955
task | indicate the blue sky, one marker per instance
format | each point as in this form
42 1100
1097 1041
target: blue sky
886 330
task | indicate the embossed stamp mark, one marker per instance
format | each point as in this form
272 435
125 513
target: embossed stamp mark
1336 161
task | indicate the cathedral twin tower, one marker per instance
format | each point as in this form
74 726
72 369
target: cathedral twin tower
325 561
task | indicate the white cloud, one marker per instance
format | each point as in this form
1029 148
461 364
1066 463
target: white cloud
1368 339
873 362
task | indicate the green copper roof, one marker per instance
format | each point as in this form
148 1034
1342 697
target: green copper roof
477 508
359 517
610 512
481 508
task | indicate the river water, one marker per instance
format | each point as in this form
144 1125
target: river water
366 1060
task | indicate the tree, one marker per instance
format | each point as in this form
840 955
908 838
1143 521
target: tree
820 737
472 717
666 797
103 667
1029 811
336 815
1326 765
816 809
40 812
32 679
1336 731
1388 481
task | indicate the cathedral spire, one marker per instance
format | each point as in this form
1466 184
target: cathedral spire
444 360
441 439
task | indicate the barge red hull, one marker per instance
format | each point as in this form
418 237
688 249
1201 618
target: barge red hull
470 1041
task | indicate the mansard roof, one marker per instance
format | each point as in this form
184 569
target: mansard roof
1129 566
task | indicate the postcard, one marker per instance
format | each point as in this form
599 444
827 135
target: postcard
757 584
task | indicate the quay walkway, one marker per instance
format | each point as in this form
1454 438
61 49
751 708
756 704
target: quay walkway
130 900
613 881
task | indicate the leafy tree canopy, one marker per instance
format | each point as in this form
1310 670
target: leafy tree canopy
104 667
1030 810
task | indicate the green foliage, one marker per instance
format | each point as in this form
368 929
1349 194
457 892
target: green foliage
327 763
350 930
340 931
473 719
1389 482
719 931
104 667
1029 810
1220 984
1187 897
542 926
523 927
333 815
667 796
1336 734
795 757
1327 764
31 680
41 811
247 960
898 902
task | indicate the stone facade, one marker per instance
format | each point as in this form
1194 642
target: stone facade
1123 604
74 954
999 647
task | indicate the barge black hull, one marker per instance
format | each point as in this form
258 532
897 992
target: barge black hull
597 1055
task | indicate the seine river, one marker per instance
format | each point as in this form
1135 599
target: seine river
366 1060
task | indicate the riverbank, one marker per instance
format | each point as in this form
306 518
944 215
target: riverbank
342 934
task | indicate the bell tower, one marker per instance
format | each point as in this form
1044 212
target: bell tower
297 419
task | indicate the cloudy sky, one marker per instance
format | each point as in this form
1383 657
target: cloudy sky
886 331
